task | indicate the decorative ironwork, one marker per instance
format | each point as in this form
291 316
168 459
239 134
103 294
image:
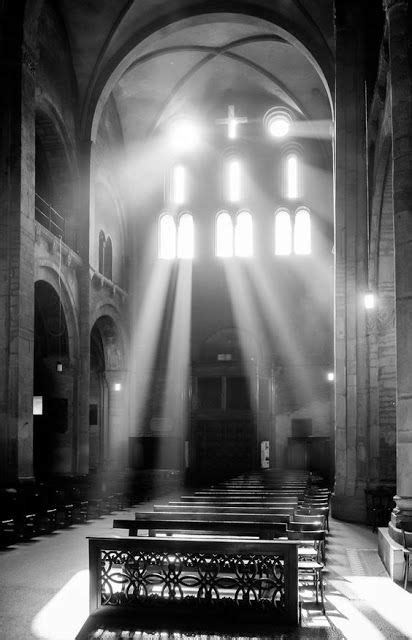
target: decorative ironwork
201 579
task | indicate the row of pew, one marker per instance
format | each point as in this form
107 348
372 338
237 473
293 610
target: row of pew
35 508
282 515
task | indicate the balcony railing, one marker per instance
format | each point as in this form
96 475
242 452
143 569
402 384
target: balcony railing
55 222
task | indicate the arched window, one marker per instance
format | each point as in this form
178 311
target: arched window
185 237
244 234
224 235
292 176
283 233
233 180
102 241
302 232
179 184
108 259
167 237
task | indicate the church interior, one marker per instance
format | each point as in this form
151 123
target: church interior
206 302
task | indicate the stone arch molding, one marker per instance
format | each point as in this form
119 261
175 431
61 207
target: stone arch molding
46 272
107 321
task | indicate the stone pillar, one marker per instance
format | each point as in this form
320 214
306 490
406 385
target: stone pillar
82 433
17 158
401 105
351 386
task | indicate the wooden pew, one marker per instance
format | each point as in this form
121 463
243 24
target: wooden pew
235 499
226 508
186 524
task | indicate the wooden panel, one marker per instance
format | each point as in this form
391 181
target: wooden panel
224 447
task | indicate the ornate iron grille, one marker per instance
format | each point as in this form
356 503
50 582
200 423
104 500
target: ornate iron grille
202 579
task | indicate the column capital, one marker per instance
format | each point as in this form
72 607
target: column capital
391 4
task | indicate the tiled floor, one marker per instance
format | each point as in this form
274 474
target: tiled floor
44 592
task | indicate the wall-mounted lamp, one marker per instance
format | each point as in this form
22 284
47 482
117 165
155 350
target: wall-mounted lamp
117 386
330 376
59 367
37 405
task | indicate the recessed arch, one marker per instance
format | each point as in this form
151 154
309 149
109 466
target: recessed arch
46 272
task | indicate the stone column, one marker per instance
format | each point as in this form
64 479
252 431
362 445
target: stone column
401 104
17 157
82 432
351 386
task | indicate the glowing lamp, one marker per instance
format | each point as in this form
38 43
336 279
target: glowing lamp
117 386
331 376
184 135
37 405
59 367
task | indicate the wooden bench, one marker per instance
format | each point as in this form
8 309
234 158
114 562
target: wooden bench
284 509
236 499
187 524
249 581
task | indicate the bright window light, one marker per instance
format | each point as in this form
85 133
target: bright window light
279 125
292 176
167 237
301 239
369 301
232 128
224 236
283 234
185 244
179 184
234 177
184 135
244 235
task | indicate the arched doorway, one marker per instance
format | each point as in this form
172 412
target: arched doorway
225 405
52 385
108 431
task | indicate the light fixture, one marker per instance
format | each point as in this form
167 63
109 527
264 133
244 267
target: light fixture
37 405
369 300
117 386
330 376
59 367
184 135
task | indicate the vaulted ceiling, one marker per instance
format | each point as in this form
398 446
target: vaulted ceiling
156 60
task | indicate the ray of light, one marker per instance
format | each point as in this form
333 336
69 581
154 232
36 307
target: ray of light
247 322
175 400
63 616
320 129
149 313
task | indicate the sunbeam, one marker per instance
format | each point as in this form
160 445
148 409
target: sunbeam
145 340
175 399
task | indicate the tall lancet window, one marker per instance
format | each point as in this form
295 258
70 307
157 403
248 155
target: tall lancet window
244 234
233 180
302 232
224 235
283 233
167 237
185 237
179 184
292 176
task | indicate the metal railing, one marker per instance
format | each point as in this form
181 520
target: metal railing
54 222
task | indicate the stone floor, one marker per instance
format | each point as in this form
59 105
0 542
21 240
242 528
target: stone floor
44 592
